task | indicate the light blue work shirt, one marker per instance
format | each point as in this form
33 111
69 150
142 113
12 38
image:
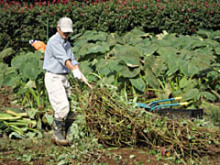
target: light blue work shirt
58 51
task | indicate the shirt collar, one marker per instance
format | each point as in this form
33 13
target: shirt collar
61 39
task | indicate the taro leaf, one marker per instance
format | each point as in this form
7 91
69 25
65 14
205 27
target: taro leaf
188 69
203 33
209 96
167 53
107 66
91 48
217 50
191 93
146 42
202 61
98 48
138 84
213 75
184 82
149 61
146 49
128 54
165 40
184 42
84 66
215 34
31 69
158 67
19 61
206 51
199 44
211 43
114 39
133 37
126 71
94 36
150 78
107 80
29 65
6 53
11 77
173 65
76 36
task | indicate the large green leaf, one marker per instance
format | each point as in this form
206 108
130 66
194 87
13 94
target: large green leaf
183 42
150 78
188 69
128 54
133 37
107 80
208 96
146 49
167 53
158 66
169 56
20 60
108 66
184 82
28 65
139 84
114 39
217 50
126 71
11 77
85 68
191 94
90 49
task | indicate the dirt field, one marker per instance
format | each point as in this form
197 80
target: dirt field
12 152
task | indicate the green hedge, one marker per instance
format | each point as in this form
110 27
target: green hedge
20 23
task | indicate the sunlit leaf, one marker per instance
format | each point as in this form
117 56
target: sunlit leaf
139 84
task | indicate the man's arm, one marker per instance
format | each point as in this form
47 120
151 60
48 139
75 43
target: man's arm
77 73
71 66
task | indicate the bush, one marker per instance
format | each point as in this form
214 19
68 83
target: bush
22 22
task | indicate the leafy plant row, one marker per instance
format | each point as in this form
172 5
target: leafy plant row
22 22
169 64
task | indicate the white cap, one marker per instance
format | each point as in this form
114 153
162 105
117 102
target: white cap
65 24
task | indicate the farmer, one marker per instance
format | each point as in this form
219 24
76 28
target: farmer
58 62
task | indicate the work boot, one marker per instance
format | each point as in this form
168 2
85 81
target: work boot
68 123
57 133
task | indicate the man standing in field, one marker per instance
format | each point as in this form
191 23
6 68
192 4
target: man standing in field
58 62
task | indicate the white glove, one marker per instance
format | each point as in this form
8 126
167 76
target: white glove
77 74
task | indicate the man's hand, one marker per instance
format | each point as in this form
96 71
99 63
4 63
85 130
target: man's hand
77 74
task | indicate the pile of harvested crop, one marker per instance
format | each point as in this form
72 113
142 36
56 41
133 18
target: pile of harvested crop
116 123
